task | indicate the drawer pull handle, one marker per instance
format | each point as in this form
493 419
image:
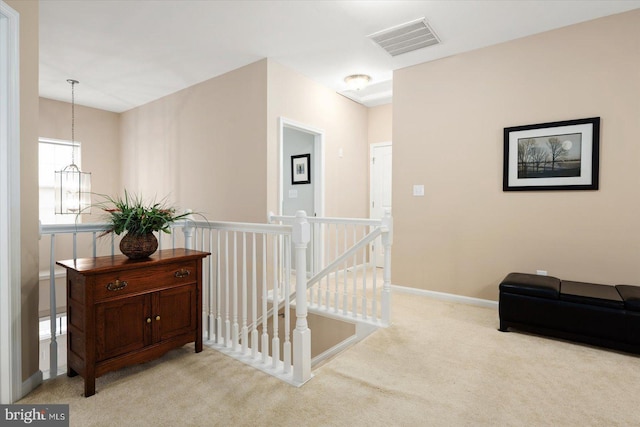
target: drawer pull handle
117 285
183 272
157 317
148 319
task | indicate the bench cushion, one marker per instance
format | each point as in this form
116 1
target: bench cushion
591 293
630 295
532 285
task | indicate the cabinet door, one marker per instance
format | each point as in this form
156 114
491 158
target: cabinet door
174 312
122 326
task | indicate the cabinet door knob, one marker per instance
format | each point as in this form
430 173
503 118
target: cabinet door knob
148 319
183 272
117 285
157 317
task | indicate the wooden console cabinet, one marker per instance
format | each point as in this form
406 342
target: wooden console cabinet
122 312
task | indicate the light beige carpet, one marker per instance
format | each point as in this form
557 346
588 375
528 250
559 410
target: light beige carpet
440 364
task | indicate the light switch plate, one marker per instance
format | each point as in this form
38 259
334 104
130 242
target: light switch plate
418 190
293 194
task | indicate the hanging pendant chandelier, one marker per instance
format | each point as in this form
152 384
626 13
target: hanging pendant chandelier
72 186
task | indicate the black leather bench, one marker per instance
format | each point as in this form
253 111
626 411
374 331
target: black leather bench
602 315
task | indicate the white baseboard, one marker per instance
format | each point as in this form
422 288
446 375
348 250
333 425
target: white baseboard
447 297
31 383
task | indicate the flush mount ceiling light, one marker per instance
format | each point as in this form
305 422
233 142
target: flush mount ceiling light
72 186
405 37
357 81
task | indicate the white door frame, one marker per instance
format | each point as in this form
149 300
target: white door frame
10 281
317 165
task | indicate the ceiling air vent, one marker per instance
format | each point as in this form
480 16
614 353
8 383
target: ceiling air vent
405 38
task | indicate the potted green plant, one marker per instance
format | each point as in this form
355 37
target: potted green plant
139 220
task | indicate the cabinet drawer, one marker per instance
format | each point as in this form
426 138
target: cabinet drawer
112 285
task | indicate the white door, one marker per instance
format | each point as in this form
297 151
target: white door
380 189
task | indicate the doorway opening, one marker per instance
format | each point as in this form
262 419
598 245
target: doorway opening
302 176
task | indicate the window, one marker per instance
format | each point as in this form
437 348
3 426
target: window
54 155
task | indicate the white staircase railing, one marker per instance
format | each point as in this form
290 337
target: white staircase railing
248 279
243 269
344 256
246 268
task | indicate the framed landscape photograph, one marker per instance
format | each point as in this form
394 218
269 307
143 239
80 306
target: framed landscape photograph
300 169
552 156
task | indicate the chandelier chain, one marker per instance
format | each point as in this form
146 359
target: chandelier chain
73 120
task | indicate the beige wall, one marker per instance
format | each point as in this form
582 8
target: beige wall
466 234
344 122
214 148
28 181
380 124
203 148
99 133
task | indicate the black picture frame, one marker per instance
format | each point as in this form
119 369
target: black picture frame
560 155
301 169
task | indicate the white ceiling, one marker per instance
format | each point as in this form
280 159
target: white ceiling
130 52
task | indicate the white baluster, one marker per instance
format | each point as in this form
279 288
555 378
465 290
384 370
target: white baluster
354 271
227 321
345 280
187 229
75 246
374 285
234 326
335 275
286 347
93 235
245 330
265 335
302 333
211 284
387 241
53 344
275 340
327 293
219 338
321 266
365 253
254 299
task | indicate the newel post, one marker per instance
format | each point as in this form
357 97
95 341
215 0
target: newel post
387 241
302 333
188 229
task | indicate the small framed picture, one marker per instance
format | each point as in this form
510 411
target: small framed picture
301 169
552 156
